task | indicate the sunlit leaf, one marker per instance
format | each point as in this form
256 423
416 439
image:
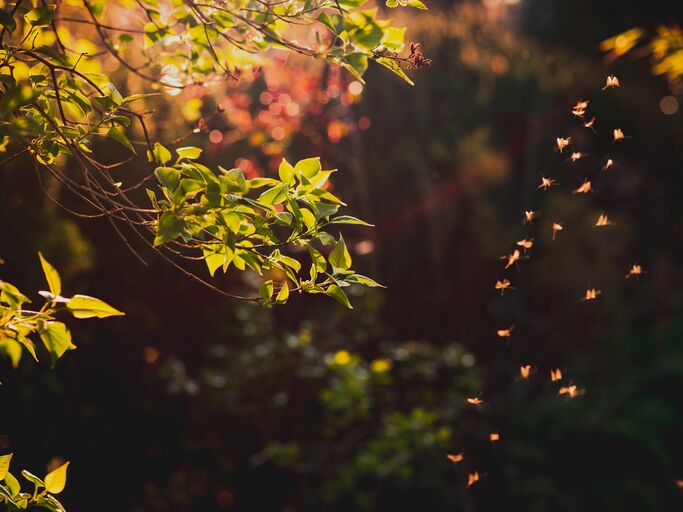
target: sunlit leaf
51 275
83 306
55 481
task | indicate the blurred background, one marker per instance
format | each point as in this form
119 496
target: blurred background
191 402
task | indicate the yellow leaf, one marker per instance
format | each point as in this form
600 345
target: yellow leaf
4 465
56 480
83 306
51 275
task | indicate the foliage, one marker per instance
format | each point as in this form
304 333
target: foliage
57 103
18 324
665 48
215 212
42 495
374 412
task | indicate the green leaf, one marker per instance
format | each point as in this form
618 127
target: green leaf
348 219
37 481
170 227
11 295
40 16
7 21
275 195
189 153
217 256
393 38
318 259
161 154
83 306
168 176
4 465
17 97
308 167
266 290
214 261
57 338
55 481
51 275
12 484
134 97
286 172
357 64
120 137
393 66
416 4
283 294
339 257
290 262
359 279
338 294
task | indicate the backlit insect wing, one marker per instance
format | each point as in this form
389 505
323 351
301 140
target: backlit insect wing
455 457
592 294
590 124
608 164
475 401
569 390
576 155
472 478
512 258
636 271
505 333
618 135
494 436
584 188
603 221
526 244
503 285
546 183
555 375
557 227
525 371
611 81
579 110
529 216
562 142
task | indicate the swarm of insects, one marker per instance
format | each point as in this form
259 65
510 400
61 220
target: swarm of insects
579 110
